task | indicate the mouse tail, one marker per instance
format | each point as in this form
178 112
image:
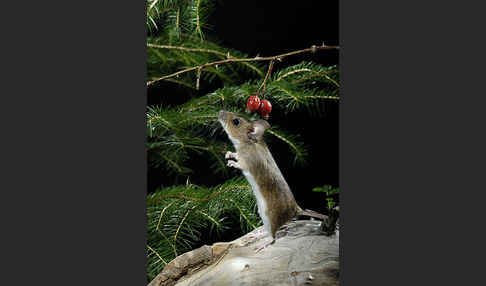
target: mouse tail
311 213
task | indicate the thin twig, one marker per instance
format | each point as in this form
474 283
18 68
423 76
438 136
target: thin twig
270 66
292 72
199 70
160 257
298 153
200 116
182 222
162 213
234 60
152 5
241 212
317 73
210 218
185 49
198 27
209 197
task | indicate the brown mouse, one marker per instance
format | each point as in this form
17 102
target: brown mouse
275 201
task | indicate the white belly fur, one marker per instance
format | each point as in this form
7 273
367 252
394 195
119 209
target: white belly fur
262 206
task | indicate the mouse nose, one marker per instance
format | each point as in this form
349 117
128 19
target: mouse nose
222 114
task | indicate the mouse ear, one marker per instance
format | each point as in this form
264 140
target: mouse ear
262 124
258 128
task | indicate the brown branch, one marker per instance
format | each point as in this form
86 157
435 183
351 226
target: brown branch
198 27
199 70
152 5
293 72
162 213
182 222
156 253
186 49
312 49
270 66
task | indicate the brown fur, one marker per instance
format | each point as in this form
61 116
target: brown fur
281 205
255 158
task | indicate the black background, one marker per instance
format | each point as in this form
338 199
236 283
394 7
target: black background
269 28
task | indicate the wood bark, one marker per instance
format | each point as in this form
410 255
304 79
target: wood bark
301 255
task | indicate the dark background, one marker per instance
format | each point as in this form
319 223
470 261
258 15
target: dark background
269 28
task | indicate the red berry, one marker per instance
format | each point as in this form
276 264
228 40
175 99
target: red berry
265 108
253 103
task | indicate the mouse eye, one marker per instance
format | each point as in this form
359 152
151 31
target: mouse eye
236 122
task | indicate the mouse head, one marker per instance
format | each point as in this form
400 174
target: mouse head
241 130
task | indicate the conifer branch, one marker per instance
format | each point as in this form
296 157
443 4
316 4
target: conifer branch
241 212
182 221
221 54
162 213
270 66
210 197
156 253
280 57
198 25
293 72
317 74
186 49
152 5
199 70
175 225
210 218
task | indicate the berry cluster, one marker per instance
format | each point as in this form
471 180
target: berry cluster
263 107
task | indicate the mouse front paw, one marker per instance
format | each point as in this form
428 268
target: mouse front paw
233 164
230 155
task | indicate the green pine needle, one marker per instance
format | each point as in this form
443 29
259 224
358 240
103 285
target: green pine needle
178 216
192 128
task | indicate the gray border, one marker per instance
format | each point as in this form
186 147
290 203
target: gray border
412 142
74 166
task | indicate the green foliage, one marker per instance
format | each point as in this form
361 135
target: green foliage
306 84
332 194
308 72
174 17
164 55
176 133
181 217
178 216
178 41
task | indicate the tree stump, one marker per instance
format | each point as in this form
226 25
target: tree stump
301 255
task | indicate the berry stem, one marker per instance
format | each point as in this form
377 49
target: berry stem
270 66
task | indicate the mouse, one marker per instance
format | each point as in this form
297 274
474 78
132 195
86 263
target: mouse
275 201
